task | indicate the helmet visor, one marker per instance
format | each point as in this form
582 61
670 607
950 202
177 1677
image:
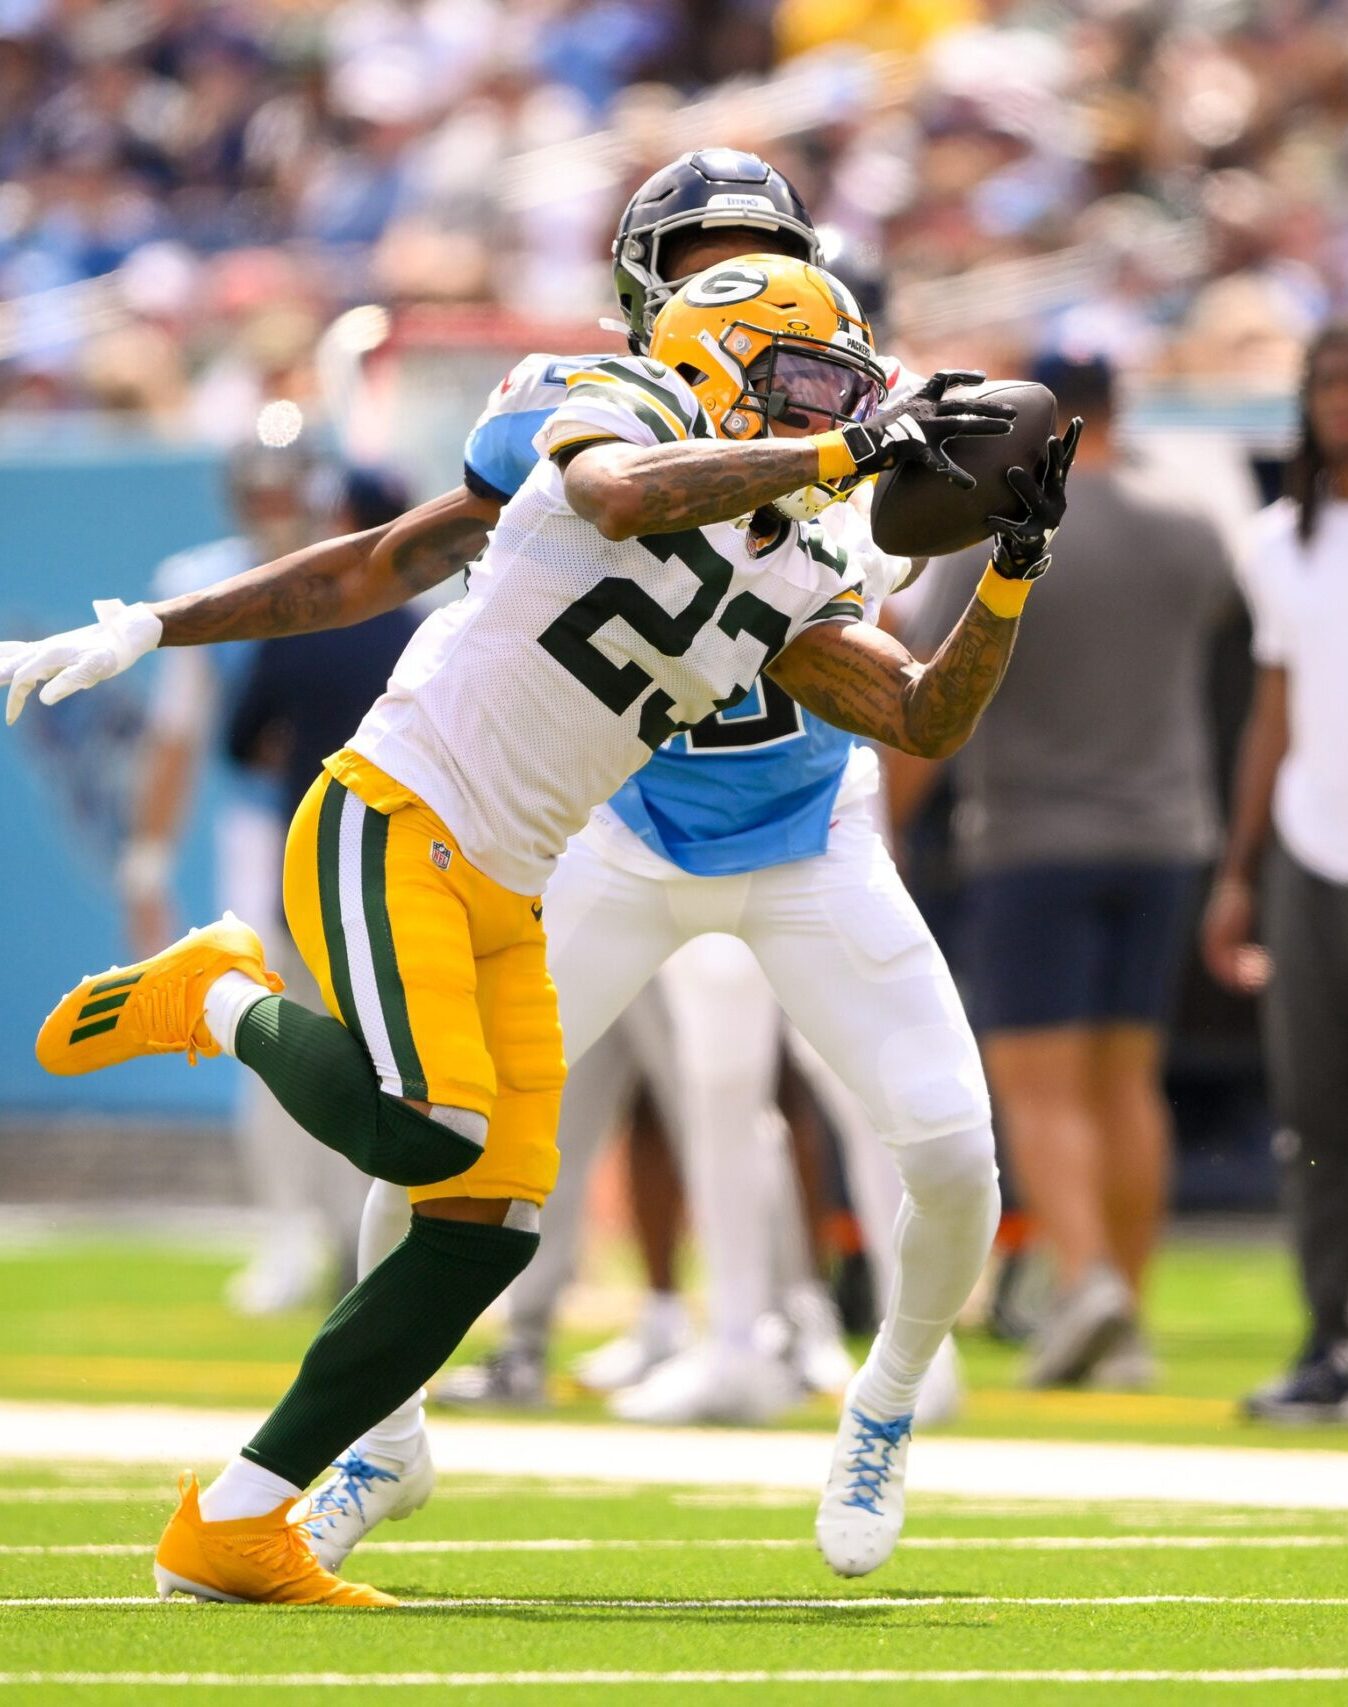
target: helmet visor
811 390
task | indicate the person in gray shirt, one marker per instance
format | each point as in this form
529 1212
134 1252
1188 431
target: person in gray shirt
1085 810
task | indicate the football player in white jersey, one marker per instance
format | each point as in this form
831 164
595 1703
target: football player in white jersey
643 576
760 786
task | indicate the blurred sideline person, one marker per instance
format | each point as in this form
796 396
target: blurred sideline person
296 703
270 491
1289 816
629 1078
1085 810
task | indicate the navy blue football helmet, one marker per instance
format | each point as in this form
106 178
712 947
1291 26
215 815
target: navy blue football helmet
707 188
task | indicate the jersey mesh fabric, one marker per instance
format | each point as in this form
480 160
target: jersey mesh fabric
503 732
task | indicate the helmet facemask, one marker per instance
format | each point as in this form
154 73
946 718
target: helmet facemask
804 385
770 345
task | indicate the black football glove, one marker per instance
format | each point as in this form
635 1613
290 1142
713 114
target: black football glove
1020 546
917 429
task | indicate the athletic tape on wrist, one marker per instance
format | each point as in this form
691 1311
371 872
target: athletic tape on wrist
1002 596
835 460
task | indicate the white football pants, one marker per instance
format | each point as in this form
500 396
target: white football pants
839 939
601 1087
841 946
853 964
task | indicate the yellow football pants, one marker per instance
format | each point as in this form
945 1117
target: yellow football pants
439 971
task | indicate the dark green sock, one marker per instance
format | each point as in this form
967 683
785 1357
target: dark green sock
322 1077
385 1338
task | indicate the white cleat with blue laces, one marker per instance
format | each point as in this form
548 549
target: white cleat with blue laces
860 1516
362 1491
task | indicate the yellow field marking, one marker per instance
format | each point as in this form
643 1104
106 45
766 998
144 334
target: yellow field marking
150 1376
252 1380
1008 1404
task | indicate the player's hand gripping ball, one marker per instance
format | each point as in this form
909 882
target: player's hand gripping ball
924 511
1020 543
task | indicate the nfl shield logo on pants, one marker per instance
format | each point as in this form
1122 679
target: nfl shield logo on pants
440 855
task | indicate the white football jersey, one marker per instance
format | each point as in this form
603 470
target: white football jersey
515 711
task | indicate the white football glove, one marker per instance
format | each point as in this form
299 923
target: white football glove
80 657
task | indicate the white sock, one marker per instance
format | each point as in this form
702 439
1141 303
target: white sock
664 1320
245 1489
942 1237
395 1440
227 1001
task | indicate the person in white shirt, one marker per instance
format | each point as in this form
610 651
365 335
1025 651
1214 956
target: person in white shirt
1291 800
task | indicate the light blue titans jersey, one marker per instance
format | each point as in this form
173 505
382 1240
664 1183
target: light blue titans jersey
749 787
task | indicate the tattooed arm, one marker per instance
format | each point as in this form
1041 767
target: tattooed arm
862 680
626 490
338 581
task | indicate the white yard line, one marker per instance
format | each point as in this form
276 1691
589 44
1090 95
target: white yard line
975 1469
81 1496
741 1543
737 1603
541 1679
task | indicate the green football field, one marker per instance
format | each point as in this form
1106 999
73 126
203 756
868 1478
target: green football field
554 1590
640 1594
115 1319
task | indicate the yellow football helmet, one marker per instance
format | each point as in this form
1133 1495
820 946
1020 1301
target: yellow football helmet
767 341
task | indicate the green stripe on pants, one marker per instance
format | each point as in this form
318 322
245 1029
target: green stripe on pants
392 997
330 902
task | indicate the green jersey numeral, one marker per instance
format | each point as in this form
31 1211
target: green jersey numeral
570 638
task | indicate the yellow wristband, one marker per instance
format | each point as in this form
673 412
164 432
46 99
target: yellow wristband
1002 596
835 460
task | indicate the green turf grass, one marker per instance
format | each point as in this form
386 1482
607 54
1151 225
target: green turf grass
932 1616
120 1319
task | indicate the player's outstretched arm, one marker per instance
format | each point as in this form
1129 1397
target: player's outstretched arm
329 585
864 681
337 582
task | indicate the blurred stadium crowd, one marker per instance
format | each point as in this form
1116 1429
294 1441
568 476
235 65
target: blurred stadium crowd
191 190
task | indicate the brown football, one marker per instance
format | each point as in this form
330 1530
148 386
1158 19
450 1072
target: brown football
918 513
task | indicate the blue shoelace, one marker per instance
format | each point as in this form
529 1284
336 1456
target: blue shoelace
356 1476
870 1465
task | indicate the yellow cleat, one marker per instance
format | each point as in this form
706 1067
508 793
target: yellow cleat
252 1559
154 1007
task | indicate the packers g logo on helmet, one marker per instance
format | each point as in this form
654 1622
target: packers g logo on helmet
767 342
729 282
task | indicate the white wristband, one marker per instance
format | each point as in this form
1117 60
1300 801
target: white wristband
133 630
